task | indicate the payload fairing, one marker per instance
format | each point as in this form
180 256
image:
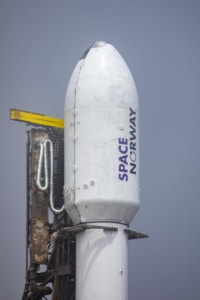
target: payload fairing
101 170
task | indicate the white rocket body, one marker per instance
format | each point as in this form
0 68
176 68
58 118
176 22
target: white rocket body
101 169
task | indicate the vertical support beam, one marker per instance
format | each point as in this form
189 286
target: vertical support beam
39 210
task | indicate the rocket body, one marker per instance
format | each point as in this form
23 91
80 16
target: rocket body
102 264
101 168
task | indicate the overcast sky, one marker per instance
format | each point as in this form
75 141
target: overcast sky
40 43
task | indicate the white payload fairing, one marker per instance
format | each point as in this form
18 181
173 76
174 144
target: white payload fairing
101 170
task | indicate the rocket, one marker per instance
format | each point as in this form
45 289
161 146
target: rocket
101 185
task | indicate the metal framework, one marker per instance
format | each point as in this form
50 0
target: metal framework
50 254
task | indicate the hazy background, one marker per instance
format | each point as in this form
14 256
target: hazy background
40 43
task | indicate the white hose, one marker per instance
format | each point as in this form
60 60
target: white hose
43 156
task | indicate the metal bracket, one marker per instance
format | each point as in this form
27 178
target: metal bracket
132 234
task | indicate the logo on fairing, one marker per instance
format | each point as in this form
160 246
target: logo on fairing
127 150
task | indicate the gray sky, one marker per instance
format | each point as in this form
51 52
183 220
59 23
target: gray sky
40 43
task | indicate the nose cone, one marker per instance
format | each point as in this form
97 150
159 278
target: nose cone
103 74
95 45
101 131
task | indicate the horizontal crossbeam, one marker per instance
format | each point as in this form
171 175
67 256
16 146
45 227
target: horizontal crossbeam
35 118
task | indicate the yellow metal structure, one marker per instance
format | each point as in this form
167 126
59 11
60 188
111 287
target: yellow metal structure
35 119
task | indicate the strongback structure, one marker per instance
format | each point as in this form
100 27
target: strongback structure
50 249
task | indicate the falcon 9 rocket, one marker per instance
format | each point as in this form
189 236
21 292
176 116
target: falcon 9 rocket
101 188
